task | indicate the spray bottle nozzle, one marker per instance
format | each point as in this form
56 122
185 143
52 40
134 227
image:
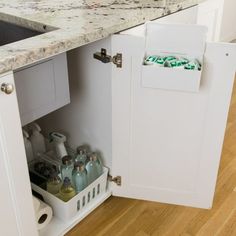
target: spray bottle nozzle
57 137
59 140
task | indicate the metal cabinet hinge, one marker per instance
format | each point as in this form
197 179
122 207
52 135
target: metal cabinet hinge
103 57
116 179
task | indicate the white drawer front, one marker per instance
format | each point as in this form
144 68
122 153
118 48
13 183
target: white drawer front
42 88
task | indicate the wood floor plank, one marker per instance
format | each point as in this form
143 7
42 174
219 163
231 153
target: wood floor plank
229 227
220 218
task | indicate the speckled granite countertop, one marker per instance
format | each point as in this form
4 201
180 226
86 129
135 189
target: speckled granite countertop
77 22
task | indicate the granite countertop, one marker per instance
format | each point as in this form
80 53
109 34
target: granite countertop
74 23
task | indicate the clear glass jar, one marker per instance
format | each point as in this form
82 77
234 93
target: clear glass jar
92 170
81 155
67 191
67 167
98 163
80 178
54 183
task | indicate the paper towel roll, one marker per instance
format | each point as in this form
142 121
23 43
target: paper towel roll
43 213
36 203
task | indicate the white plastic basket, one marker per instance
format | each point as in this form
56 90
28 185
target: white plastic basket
67 210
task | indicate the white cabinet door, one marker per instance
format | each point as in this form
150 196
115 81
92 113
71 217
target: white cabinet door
210 15
167 144
17 214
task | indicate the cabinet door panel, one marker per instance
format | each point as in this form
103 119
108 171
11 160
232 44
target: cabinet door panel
210 15
42 88
167 144
17 213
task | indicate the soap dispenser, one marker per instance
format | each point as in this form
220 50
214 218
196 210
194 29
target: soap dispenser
28 146
37 140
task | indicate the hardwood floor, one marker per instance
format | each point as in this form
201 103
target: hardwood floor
126 217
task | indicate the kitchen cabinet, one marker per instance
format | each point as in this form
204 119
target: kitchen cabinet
16 199
228 29
176 136
210 14
42 88
164 145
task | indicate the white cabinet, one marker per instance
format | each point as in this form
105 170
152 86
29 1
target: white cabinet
42 88
16 200
228 29
165 145
210 15
219 16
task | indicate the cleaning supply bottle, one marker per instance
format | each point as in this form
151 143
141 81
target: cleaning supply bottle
58 141
37 140
28 146
67 191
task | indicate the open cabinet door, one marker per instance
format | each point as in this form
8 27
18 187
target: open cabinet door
167 144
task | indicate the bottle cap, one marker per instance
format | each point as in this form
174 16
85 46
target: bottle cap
53 174
67 160
66 182
93 157
81 150
79 166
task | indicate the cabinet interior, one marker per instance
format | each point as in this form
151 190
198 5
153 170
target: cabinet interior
87 118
